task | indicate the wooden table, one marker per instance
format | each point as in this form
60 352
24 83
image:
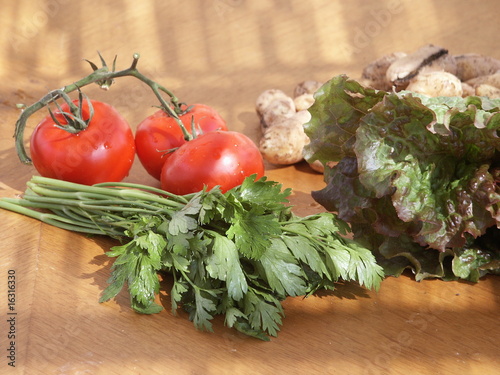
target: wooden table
223 53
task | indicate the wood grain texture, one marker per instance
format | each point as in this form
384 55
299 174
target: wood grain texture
223 53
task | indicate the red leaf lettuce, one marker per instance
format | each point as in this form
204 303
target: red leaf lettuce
417 178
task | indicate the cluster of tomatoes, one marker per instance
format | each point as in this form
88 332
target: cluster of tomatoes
105 150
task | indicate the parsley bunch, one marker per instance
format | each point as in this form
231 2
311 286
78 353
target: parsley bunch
238 253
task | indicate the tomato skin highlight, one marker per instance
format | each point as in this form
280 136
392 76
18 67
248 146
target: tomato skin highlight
158 133
223 158
103 152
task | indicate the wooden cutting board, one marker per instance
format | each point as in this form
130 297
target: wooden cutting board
223 53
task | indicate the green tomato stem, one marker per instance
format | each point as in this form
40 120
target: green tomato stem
103 77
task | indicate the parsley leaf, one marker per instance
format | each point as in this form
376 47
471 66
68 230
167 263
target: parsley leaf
264 311
201 314
281 270
302 249
176 293
252 233
262 194
223 264
182 221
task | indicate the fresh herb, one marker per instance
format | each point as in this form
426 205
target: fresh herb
238 253
417 178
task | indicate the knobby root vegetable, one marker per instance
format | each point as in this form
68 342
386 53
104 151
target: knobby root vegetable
446 63
306 87
303 94
277 109
473 65
303 102
407 67
490 79
431 70
487 90
436 84
265 98
284 141
374 74
282 120
317 166
467 90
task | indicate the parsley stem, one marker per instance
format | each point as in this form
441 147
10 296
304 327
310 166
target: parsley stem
61 208
134 192
110 205
52 219
131 185
75 214
188 279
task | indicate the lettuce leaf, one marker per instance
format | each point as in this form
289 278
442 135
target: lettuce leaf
417 178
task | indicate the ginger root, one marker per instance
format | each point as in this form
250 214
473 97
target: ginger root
266 98
282 120
284 141
431 70
375 74
473 65
278 108
436 83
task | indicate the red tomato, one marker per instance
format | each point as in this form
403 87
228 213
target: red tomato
102 152
223 158
159 133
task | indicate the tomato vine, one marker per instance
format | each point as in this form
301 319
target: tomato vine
104 77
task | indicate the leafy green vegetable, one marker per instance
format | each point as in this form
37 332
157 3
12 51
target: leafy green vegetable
416 177
238 254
